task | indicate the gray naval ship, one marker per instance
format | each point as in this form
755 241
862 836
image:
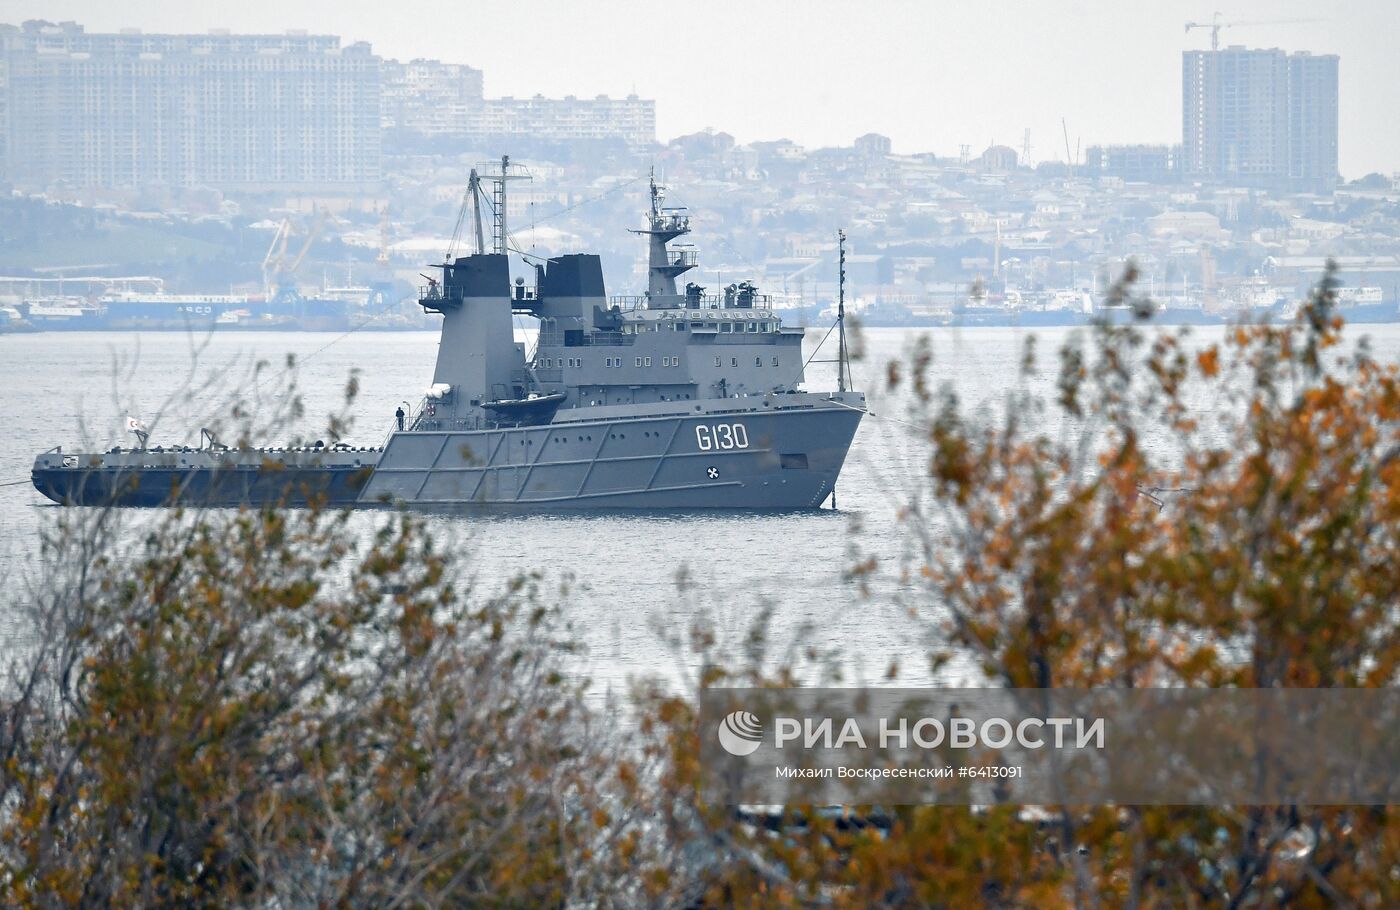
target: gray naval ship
676 399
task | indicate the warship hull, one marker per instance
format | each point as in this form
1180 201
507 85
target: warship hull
770 452
777 452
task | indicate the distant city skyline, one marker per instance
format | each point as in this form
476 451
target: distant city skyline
932 76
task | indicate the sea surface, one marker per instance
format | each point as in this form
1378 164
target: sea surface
624 602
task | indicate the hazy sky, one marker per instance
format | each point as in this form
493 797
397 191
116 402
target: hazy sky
931 75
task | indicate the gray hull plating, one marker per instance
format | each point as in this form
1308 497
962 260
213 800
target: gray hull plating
781 451
205 477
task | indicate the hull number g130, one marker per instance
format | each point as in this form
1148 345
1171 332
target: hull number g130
721 436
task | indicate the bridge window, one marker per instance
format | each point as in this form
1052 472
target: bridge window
646 361
727 327
718 363
734 361
758 361
638 361
775 361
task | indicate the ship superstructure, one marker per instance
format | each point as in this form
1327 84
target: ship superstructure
678 398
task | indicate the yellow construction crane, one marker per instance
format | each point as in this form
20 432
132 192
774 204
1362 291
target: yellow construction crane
1215 25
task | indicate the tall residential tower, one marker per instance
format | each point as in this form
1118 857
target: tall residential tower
1260 118
244 112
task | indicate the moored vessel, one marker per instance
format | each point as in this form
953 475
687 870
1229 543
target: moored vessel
672 399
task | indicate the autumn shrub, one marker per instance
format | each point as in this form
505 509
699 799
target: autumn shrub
1157 511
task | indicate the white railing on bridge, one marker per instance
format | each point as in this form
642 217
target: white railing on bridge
738 301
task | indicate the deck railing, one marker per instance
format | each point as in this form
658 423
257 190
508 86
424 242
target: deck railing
737 301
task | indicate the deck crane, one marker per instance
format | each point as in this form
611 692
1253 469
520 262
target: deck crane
1215 25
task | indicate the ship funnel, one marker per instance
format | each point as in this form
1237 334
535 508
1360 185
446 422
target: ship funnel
478 359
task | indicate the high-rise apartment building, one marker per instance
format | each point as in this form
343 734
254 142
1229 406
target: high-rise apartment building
1260 117
1312 121
428 97
631 119
249 112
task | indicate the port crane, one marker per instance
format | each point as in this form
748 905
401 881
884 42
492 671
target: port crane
278 270
1215 25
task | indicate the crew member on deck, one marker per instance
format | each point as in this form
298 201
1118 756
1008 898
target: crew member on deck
398 415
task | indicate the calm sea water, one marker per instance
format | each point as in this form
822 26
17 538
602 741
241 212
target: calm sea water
61 388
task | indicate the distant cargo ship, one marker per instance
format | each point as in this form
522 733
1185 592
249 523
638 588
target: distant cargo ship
128 311
1363 305
184 311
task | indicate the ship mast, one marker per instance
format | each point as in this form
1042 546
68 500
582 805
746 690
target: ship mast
499 232
471 203
475 190
664 264
841 354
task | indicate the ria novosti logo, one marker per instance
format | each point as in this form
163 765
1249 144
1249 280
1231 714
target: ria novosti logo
740 733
